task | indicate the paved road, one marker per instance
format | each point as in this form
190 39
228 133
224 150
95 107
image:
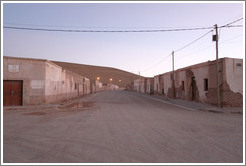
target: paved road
120 127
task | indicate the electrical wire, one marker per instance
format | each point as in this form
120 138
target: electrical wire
107 31
156 64
226 25
193 41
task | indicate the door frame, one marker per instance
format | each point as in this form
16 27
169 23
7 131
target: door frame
21 93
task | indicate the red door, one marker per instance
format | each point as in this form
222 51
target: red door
12 93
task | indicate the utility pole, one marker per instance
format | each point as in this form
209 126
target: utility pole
217 65
173 75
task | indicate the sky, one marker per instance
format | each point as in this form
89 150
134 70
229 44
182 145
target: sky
146 53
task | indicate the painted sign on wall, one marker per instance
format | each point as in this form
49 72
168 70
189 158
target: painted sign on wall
13 68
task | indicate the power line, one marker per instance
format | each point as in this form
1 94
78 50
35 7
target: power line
193 41
107 31
157 63
226 25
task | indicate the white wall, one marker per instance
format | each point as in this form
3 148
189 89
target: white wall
234 74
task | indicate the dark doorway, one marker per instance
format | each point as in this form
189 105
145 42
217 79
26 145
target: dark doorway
193 88
162 91
12 93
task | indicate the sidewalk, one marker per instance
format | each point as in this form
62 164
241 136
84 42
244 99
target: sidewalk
43 106
48 106
30 107
191 105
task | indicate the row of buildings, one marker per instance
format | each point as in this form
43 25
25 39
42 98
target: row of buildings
199 83
36 81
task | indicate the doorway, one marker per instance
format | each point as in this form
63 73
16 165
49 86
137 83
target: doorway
193 88
12 93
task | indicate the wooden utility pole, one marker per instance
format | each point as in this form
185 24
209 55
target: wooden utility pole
217 65
173 75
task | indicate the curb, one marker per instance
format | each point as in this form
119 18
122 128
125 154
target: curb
211 108
6 108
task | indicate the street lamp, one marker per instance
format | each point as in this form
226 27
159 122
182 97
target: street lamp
98 78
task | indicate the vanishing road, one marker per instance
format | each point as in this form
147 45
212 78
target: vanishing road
121 127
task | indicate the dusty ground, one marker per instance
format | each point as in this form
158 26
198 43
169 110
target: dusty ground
119 127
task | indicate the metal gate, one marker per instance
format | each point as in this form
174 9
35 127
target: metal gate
12 93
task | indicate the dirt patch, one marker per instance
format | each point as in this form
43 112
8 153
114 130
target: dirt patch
79 105
87 104
34 113
215 111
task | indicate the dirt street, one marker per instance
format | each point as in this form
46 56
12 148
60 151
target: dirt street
121 127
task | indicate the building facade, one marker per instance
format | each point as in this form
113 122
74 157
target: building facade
149 82
139 85
199 83
36 81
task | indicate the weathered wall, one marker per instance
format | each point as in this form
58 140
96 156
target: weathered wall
190 82
234 74
139 85
31 72
63 84
43 81
149 85
156 84
233 82
167 84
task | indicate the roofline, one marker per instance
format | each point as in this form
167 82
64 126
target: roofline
22 58
198 65
46 61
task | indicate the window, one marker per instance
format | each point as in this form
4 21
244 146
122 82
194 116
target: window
238 64
205 84
75 86
183 86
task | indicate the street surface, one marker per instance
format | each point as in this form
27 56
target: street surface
121 127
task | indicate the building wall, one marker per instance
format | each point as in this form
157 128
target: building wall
190 82
32 73
63 84
95 86
44 82
167 84
234 74
139 85
149 85
233 82
156 84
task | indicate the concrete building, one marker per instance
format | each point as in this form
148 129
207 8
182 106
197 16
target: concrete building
199 83
139 85
149 82
96 86
37 81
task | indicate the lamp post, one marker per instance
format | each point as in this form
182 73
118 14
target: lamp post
110 80
98 78
119 83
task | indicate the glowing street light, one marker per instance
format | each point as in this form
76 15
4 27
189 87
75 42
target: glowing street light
110 79
98 78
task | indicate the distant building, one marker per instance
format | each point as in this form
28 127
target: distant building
149 82
199 83
139 85
96 86
36 81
